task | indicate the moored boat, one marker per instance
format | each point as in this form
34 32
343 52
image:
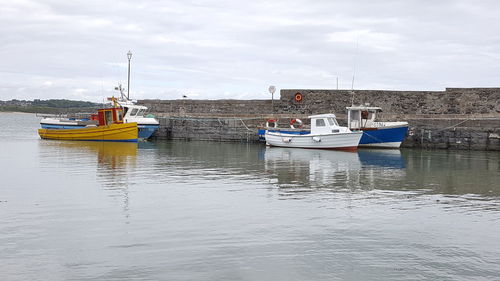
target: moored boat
110 127
375 134
325 134
132 113
65 122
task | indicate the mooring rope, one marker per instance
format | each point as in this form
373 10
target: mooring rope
453 126
210 119
245 125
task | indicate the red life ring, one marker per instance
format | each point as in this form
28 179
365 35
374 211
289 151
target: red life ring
296 121
272 121
298 97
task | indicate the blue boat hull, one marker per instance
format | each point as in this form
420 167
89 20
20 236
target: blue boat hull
48 126
384 137
382 158
146 131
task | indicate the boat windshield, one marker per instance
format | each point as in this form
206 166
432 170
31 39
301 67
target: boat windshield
332 121
141 112
134 111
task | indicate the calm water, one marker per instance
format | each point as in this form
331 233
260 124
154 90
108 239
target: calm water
227 211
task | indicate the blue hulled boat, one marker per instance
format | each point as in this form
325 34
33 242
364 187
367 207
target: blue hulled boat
375 134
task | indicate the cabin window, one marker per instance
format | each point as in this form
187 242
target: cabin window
120 115
141 112
134 111
320 122
108 117
355 115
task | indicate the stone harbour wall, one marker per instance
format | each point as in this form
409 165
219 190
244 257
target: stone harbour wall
451 101
209 107
208 128
454 133
457 118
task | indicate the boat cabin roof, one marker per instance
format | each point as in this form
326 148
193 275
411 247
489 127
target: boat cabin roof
322 116
134 106
362 107
129 104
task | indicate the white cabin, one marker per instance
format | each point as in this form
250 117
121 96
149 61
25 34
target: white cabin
326 124
135 113
359 117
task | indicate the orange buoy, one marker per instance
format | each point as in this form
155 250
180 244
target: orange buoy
298 97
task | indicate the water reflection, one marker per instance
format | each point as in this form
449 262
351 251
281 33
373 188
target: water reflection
426 172
192 161
111 156
389 158
312 168
308 168
453 172
114 162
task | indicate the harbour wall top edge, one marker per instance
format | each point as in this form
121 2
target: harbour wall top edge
452 101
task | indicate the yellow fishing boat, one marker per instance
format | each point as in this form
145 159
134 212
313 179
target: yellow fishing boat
109 127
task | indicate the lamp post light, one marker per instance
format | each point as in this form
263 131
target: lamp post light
272 89
129 56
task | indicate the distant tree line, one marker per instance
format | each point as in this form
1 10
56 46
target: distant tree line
47 106
62 103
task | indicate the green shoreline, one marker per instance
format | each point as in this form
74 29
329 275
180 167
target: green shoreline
47 110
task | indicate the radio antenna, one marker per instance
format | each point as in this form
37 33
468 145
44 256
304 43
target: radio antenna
354 73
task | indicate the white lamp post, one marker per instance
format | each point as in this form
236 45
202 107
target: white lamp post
129 56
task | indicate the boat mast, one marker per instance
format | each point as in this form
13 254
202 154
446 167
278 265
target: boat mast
121 90
354 73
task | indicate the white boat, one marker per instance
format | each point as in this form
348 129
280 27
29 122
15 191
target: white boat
375 134
52 122
325 134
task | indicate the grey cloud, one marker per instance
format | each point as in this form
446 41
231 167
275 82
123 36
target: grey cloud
220 49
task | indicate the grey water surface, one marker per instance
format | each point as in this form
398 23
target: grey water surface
175 210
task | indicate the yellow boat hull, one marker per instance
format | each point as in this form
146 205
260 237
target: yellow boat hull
127 132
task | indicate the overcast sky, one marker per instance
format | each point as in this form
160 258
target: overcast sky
236 49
